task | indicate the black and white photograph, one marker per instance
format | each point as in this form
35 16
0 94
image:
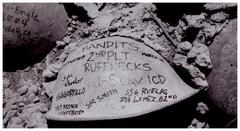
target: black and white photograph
119 65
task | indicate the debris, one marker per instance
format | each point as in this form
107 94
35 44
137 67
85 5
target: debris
185 46
47 74
48 88
219 17
60 44
195 21
201 56
23 90
218 6
6 83
198 124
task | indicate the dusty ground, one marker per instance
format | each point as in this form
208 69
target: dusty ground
27 93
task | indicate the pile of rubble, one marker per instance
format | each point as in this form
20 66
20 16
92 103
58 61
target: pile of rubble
28 100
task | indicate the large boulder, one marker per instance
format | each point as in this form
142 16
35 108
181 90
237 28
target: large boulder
30 30
223 78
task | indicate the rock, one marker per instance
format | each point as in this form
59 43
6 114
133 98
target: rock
60 44
55 67
9 114
36 100
219 17
179 59
209 31
185 46
34 107
70 29
63 57
21 104
33 89
47 74
146 17
202 108
6 82
195 21
218 6
91 8
36 120
197 77
198 124
48 87
15 122
223 77
67 39
201 56
74 17
31 97
23 90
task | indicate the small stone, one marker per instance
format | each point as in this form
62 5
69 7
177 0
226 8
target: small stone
55 67
218 6
13 107
63 57
48 87
179 59
36 100
209 31
21 104
219 17
60 44
23 90
70 29
198 124
201 83
185 46
195 21
47 74
202 108
31 96
15 122
36 120
200 53
6 83
74 17
67 39
146 17
74 22
33 89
